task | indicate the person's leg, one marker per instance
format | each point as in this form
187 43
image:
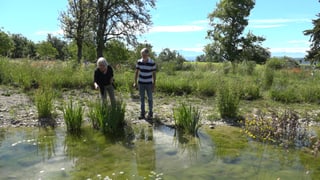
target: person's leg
150 100
142 89
103 95
110 90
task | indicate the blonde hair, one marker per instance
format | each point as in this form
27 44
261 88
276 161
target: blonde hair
102 61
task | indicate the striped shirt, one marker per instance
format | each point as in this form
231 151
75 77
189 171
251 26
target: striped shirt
145 71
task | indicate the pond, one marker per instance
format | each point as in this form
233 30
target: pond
147 152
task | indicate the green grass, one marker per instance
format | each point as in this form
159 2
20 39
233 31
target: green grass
187 119
73 117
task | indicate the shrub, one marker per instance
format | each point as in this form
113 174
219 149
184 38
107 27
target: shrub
187 118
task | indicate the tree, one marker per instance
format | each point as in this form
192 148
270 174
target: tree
46 50
228 22
6 44
252 49
121 19
313 55
76 22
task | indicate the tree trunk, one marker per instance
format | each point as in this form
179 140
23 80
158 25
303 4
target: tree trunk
79 53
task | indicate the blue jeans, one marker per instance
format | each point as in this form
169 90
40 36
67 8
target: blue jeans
142 89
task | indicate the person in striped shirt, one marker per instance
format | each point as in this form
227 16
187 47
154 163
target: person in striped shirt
145 80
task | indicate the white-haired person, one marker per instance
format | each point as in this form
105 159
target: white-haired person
145 80
103 80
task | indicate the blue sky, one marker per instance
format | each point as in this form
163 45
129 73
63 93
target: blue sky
179 24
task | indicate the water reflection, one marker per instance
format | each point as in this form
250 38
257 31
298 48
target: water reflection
146 152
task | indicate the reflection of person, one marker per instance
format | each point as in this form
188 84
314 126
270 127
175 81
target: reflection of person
146 77
103 80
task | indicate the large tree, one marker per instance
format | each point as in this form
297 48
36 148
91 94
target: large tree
121 19
77 21
229 20
314 53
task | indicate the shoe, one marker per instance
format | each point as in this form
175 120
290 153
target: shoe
141 117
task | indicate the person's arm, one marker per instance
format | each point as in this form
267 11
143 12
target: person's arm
95 79
136 78
154 80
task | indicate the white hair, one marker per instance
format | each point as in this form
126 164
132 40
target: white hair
102 61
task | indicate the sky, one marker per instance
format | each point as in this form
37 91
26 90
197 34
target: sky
179 25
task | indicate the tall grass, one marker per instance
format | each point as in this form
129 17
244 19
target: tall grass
73 117
187 119
228 99
108 119
44 102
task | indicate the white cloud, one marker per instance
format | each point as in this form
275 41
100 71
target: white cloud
177 28
274 23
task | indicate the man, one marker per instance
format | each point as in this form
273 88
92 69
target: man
145 79
103 79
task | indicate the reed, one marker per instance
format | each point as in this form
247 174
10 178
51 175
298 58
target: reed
187 118
44 102
73 117
106 118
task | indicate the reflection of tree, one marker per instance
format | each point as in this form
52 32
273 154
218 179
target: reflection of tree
145 150
47 143
187 143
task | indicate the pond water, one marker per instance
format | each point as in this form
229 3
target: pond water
148 153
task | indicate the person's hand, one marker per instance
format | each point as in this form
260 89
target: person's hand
96 86
135 85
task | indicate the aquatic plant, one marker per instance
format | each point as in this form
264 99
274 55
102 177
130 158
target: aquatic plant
44 102
73 117
107 118
187 118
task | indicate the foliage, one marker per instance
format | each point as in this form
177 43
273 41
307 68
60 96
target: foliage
108 119
228 99
116 52
73 117
284 129
6 44
46 50
187 118
44 102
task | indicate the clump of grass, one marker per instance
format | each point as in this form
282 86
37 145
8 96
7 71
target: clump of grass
106 118
44 102
73 117
228 100
187 118
283 129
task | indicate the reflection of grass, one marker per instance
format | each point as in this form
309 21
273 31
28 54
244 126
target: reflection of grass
228 141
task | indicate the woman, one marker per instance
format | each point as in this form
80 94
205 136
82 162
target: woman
103 80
